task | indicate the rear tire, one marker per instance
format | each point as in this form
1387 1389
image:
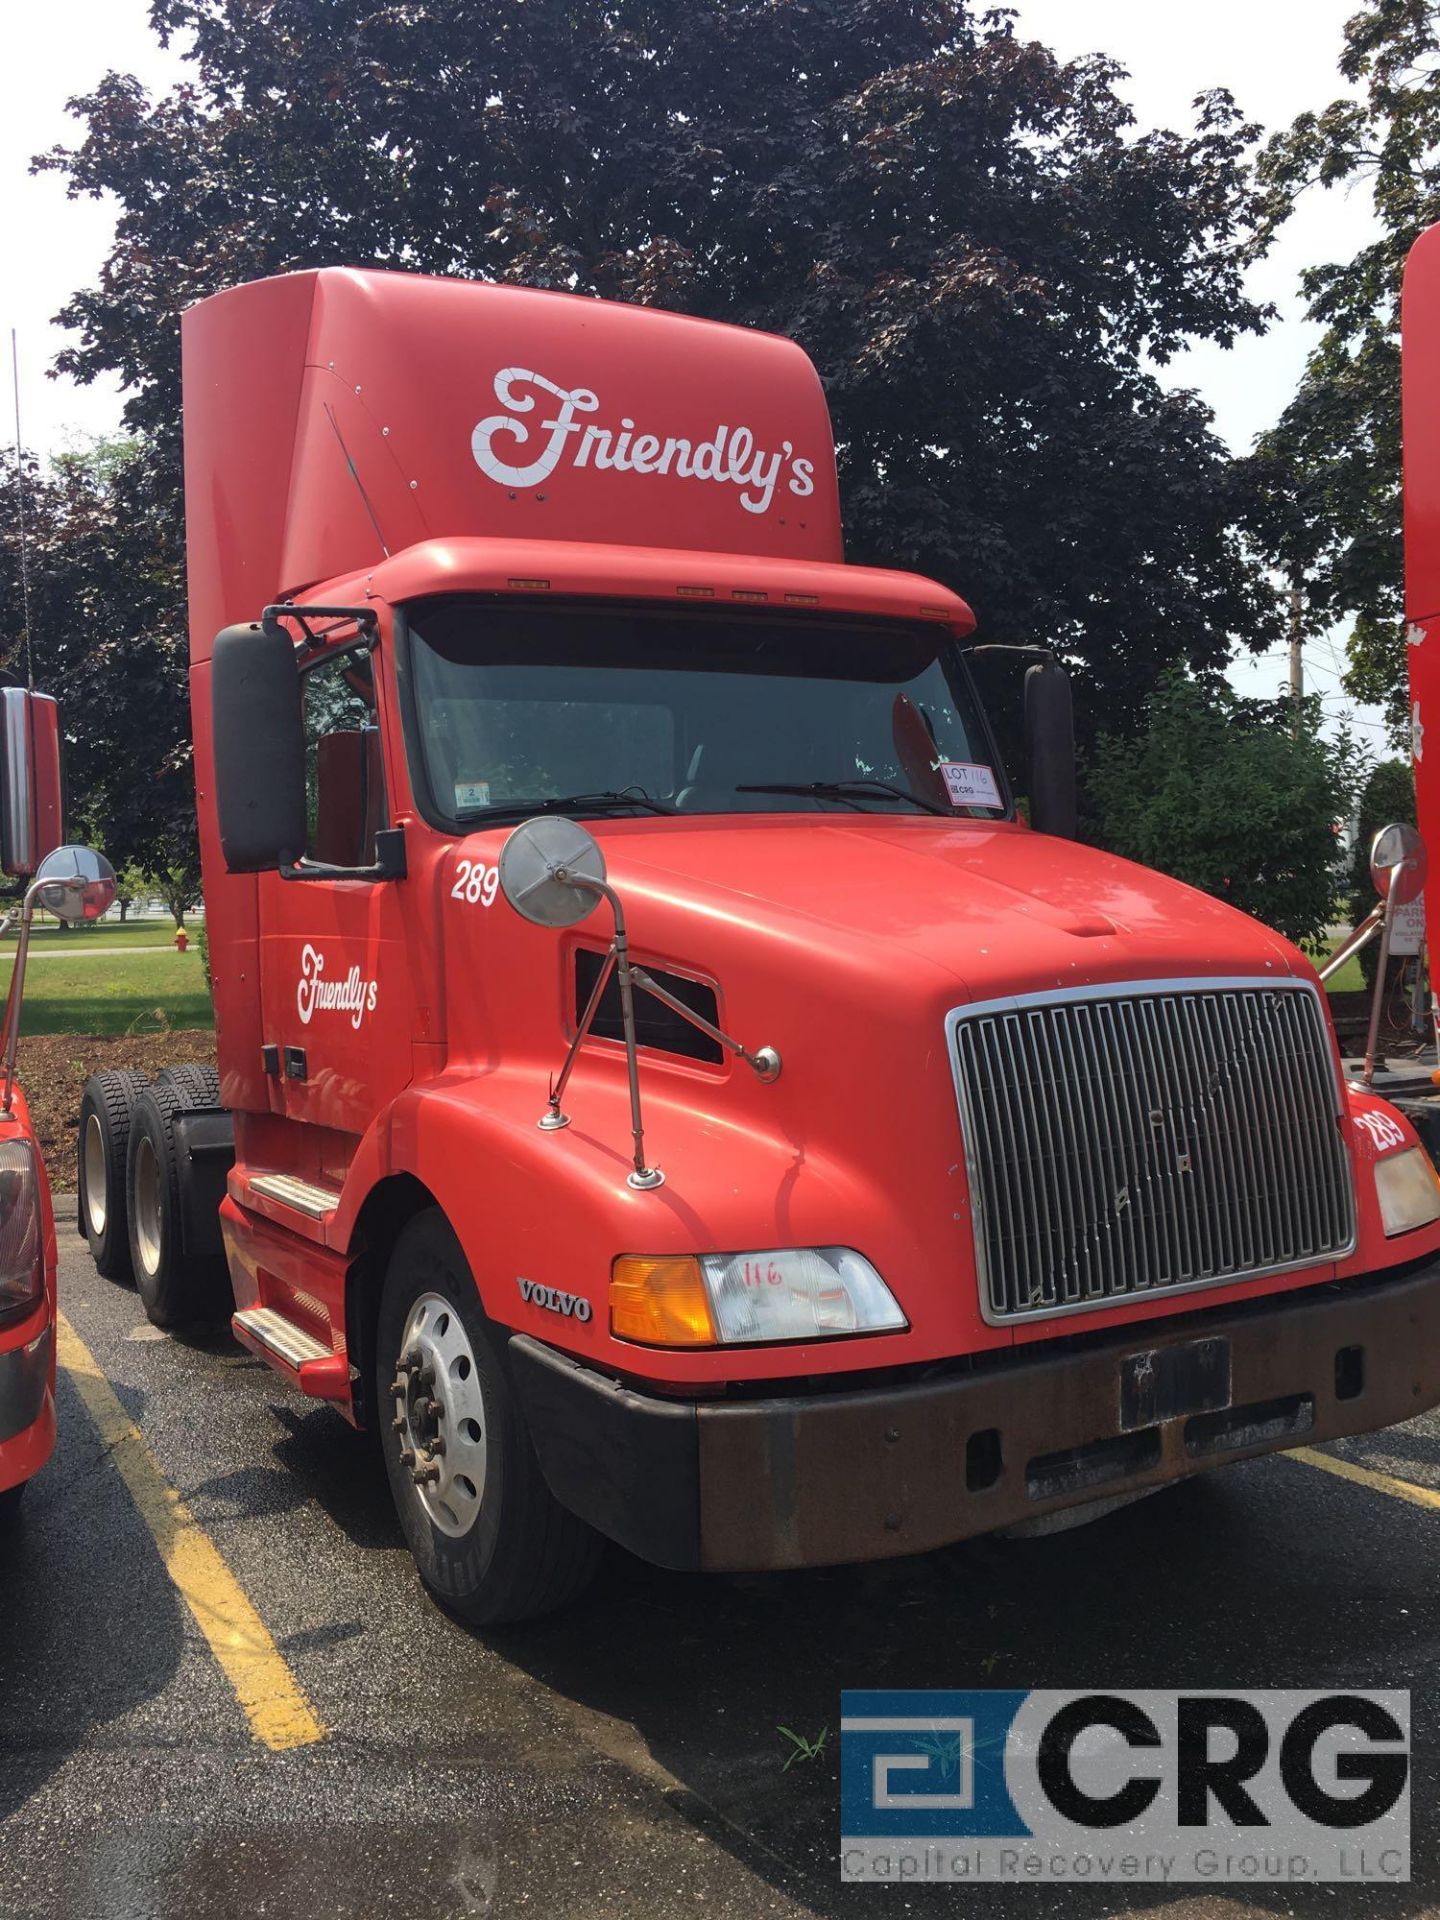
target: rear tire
175 1291
491 1541
196 1084
106 1111
10 1506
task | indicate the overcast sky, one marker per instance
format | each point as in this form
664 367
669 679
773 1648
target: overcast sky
1277 57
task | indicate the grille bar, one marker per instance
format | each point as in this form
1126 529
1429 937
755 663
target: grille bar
1148 1139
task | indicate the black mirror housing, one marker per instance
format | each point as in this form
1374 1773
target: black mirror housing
1050 750
259 748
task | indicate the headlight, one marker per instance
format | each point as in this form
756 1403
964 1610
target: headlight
22 1277
736 1299
1409 1190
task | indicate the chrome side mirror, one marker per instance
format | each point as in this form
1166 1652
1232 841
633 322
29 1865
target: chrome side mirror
552 872
73 883
1398 863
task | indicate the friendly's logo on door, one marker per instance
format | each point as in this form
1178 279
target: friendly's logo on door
353 995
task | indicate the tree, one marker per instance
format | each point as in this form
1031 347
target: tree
1239 797
107 635
966 233
131 885
177 880
1331 467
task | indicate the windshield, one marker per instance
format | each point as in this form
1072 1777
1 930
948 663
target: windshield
597 710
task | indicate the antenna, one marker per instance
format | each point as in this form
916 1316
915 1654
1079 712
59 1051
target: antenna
20 492
355 476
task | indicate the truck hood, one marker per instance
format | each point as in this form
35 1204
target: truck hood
996 908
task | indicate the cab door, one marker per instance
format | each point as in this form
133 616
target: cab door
337 1013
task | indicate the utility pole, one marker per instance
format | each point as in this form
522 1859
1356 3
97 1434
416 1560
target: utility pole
1297 658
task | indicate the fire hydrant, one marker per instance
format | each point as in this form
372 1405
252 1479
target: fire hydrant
182 940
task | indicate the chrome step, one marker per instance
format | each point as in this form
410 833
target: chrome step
280 1336
291 1191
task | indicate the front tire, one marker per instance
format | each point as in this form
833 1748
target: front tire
490 1540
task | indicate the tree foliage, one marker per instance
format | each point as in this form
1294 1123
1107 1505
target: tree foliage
1332 465
983 257
1237 796
107 634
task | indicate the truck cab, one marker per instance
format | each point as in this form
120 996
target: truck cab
75 884
858 1166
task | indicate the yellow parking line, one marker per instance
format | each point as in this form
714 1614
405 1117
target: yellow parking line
1367 1477
279 1714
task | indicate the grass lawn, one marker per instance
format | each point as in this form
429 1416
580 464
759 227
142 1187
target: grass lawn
115 993
1349 979
105 933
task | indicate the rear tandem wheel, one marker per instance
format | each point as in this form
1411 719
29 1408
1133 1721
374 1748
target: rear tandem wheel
107 1109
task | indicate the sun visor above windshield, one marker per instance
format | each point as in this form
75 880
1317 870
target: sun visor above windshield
335 416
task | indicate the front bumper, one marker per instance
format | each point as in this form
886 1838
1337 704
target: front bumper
822 1478
24 1381
27 1407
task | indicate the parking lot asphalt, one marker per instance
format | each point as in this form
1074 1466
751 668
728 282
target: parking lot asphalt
625 1758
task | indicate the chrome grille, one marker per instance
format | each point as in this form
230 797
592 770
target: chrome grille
1148 1139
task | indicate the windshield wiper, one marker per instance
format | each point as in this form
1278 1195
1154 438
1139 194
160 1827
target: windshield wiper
607 802
851 790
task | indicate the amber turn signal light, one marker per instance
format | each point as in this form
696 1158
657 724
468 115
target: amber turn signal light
660 1301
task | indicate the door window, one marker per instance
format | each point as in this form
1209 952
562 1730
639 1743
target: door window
344 771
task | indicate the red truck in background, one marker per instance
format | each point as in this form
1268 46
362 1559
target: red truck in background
823 1161
74 884
1420 441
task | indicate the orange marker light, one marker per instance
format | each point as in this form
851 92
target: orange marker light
660 1301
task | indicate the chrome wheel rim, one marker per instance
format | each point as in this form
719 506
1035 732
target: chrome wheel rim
145 1203
440 1416
96 1207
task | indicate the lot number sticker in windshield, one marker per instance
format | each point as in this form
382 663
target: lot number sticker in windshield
969 785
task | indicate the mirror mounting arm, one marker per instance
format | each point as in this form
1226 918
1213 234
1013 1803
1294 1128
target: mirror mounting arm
389 864
17 993
75 883
642 1175
765 1063
364 619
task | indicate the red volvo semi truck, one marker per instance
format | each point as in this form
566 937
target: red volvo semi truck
75 884
805 1159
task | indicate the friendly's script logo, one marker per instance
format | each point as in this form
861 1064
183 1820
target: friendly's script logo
730 455
354 994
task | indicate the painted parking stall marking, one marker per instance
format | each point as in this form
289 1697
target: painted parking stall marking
274 1704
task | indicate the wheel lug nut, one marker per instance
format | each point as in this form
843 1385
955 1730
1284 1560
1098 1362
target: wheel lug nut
407 1456
436 1447
399 1423
422 1475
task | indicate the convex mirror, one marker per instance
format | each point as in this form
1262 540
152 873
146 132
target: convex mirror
544 867
1398 863
75 884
